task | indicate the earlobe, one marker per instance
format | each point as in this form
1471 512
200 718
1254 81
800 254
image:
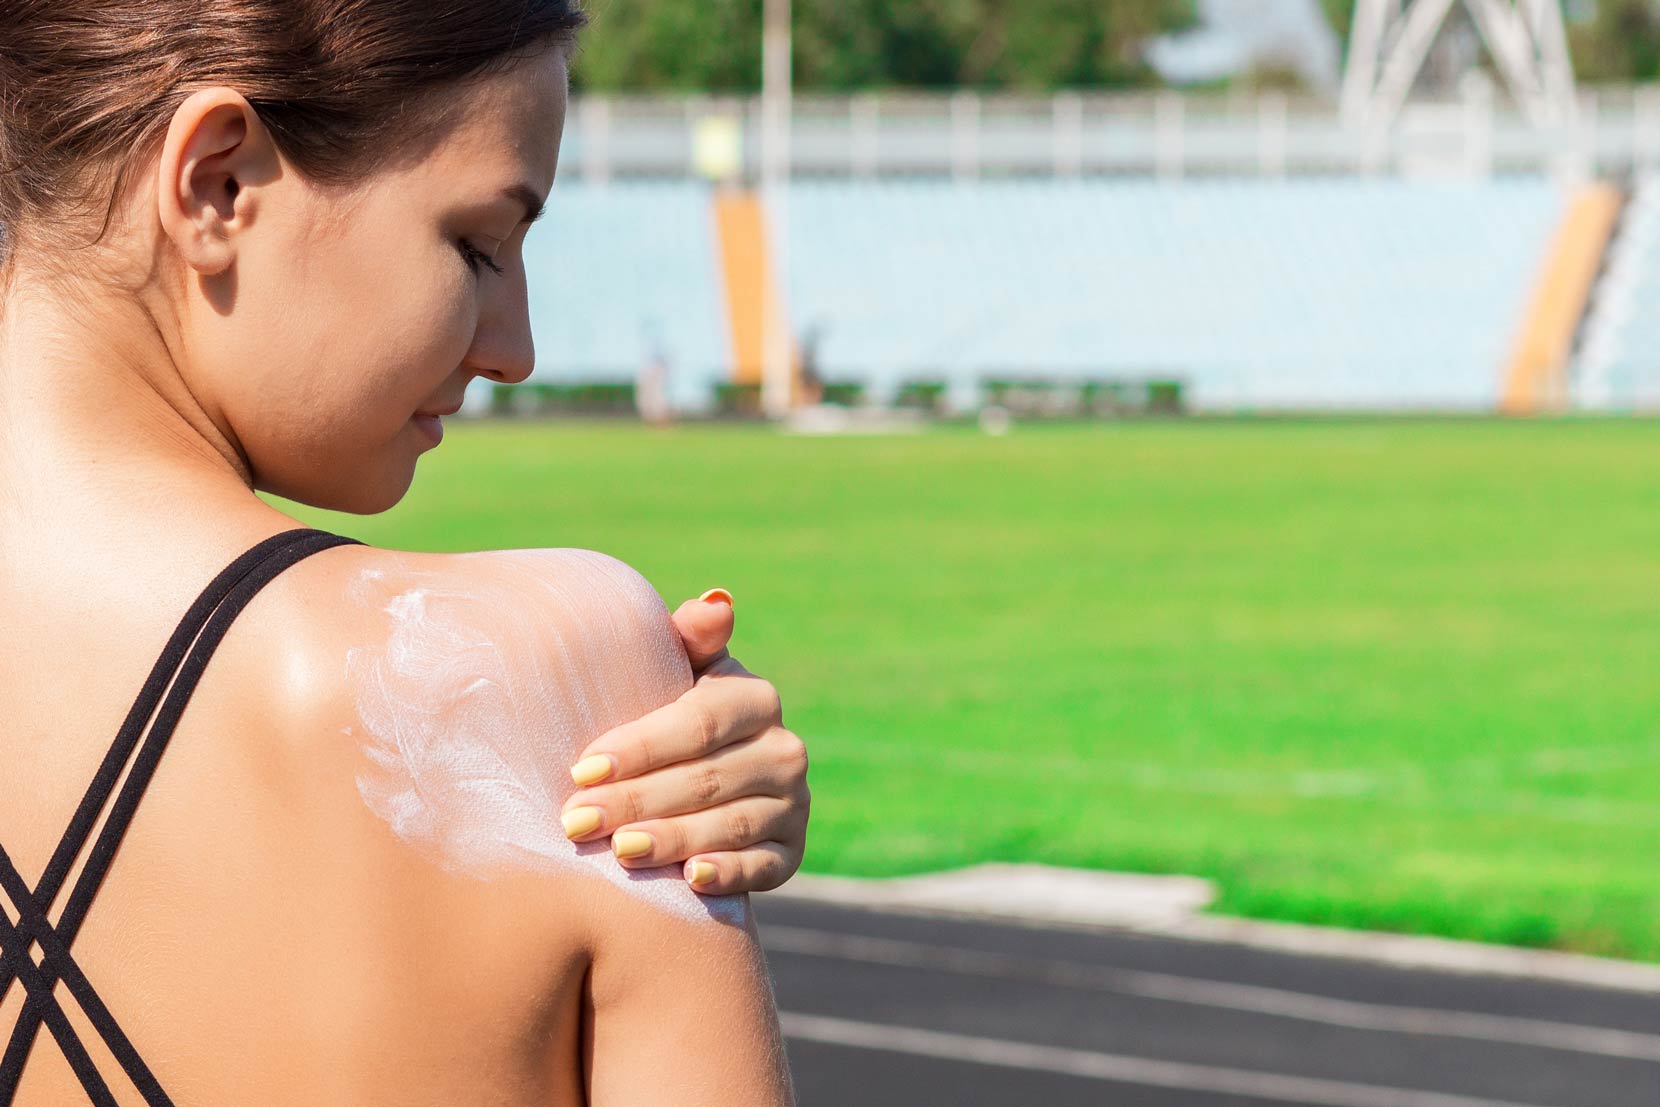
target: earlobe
214 150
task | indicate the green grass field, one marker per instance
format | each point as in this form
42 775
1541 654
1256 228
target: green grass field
1386 674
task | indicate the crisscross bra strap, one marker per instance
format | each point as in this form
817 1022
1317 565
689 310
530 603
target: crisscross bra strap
185 656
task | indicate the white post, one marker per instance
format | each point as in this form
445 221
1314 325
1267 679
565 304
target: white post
864 121
1068 137
1271 134
1478 124
692 110
1579 162
1645 123
596 139
776 107
965 135
1167 134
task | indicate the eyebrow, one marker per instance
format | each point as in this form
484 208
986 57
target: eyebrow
534 205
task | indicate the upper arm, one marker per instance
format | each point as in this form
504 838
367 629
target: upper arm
681 1012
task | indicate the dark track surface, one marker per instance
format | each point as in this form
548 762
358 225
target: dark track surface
1019 1015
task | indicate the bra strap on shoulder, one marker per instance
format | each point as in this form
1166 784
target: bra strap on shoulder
120 751
200 631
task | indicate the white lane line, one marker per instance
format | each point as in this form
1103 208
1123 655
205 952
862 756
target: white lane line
1112 1066
1505 1029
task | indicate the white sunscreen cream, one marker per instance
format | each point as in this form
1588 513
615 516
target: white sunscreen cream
479 698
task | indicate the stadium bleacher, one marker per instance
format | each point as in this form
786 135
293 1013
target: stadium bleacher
1302 293
1619 362
1306 292
620 271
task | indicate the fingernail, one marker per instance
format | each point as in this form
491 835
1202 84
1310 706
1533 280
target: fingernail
700 872
631 843
592 770
581 820
718 595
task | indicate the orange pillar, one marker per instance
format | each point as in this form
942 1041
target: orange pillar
1535 377
746 274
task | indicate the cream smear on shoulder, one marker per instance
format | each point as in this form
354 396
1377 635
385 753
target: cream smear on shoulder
479 698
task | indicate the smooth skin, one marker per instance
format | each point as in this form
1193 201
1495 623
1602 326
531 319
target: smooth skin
263 936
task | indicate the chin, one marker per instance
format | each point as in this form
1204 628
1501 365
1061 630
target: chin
360 492
369 501
372 498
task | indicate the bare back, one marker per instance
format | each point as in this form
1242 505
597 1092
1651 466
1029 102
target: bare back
347 883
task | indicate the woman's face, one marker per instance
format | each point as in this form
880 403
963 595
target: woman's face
343 312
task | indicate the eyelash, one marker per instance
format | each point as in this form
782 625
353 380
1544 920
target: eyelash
474 256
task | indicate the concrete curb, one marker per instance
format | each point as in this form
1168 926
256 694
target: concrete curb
1169 906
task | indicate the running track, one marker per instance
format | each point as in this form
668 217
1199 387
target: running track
902 1010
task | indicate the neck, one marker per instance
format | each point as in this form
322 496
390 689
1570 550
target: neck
96 417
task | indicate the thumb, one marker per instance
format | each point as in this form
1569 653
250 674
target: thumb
705 626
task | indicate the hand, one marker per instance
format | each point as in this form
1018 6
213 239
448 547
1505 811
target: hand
712 779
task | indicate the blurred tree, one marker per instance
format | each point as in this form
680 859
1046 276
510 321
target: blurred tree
845 45
1032 45
1618 41
651 45
1342 15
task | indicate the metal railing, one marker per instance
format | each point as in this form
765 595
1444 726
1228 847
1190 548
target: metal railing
967 135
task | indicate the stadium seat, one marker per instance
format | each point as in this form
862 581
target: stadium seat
1300 293
1619 362
1325 293
617 271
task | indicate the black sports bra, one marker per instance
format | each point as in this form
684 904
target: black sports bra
186 655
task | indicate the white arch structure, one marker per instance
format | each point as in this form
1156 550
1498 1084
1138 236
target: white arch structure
1391 39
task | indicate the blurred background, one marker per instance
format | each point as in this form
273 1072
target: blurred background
1190 438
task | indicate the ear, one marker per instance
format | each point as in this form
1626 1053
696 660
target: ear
215 153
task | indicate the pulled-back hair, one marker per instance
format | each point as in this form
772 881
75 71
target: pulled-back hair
88 87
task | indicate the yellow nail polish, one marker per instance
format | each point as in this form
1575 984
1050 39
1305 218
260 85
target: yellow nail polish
631 843
717 595
591 770
581 820
703 872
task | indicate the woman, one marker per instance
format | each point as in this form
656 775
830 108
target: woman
262 245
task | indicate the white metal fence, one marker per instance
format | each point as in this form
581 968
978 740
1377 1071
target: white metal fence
1168 134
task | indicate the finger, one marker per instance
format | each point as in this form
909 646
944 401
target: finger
728 703
705 626
767 764
760 868
731 826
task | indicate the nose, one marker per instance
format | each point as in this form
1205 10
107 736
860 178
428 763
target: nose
503 349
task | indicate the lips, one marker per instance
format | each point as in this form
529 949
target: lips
430 426
440 411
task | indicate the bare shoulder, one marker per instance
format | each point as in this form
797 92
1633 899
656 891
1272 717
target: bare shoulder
464 686
519 616
556 587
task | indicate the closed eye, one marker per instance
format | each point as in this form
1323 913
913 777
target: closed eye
475 257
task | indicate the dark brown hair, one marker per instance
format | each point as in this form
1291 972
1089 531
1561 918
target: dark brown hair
89 86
